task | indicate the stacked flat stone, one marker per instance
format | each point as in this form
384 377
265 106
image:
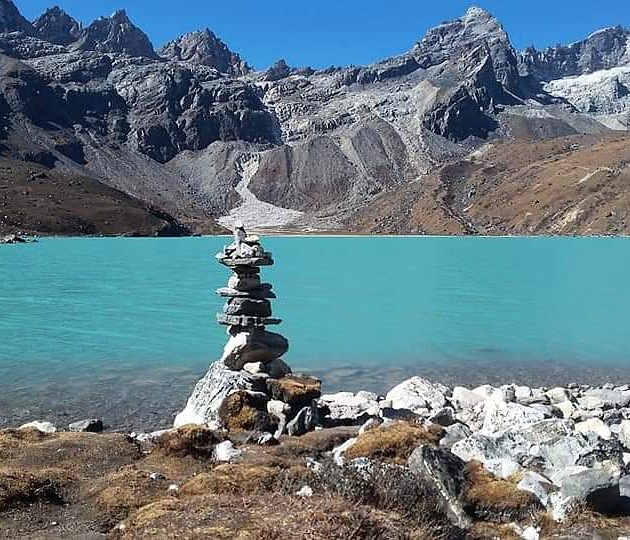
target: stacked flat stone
247 311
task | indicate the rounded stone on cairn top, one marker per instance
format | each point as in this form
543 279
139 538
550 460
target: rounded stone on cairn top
248 306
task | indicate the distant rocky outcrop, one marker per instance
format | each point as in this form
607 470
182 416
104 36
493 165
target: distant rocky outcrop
604 49
11 20
56 26
206 49
116 34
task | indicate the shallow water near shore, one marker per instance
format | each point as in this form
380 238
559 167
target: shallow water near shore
122 328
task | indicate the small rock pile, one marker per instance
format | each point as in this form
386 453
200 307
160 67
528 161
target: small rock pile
251 388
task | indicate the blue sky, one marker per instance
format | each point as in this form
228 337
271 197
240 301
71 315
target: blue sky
321 33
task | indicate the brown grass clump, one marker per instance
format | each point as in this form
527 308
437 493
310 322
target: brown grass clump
583 522
315 443
10 437
126 490
191 440
488 497
395 442
232 478
483 530
19 488
267 516
247 478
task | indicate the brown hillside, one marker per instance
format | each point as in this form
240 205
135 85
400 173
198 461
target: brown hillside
570 185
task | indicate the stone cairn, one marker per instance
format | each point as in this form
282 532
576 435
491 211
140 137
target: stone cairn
251 388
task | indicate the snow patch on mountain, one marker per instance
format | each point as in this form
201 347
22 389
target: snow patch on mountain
603 92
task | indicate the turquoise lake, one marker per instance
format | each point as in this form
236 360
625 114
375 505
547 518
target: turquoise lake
122 328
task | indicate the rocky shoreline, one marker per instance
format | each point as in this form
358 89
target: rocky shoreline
280 459
552 453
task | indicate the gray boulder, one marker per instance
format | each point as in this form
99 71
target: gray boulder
93 425
44 427
443 417
500 415
349 408
624 434
418 393
446 473
210 392
305 420
601 398
463 398
454 433
538 485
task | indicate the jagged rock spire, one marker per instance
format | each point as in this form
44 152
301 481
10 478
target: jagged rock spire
116 34
205 48
56 26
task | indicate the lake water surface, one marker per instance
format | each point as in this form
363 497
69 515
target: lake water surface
122 328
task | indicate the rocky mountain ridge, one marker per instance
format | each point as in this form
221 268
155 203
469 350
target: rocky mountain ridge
192 129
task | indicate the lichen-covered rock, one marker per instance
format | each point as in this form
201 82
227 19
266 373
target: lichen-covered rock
296 390
246 411
500 415
350 408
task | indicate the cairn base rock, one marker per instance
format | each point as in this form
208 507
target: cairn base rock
209 393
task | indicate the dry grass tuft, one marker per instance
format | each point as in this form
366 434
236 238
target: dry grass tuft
191 440
19 488
247 478
267 516
583 522
483 530
315 444
488 497
394 443
13 436
126 490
